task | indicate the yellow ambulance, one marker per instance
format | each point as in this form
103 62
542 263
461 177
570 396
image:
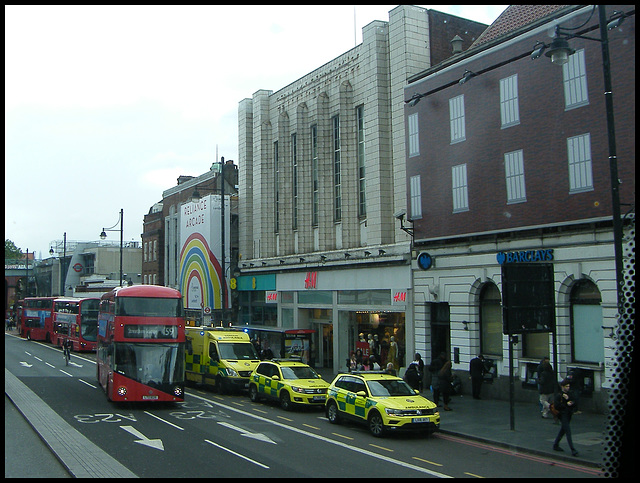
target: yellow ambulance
219 357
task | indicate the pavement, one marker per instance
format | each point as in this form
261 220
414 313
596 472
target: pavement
489 421
484 420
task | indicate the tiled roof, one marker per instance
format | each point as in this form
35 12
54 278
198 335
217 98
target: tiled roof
514 18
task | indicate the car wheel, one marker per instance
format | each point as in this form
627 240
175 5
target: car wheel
332 413
376 424
220 386
253 393
285 401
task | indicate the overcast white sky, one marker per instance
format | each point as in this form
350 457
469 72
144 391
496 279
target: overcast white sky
105 106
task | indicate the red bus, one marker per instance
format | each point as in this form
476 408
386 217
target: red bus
76 319
37 318
141 339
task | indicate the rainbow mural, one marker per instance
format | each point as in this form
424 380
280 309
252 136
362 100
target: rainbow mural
200 272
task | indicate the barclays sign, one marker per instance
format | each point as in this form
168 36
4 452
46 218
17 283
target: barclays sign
525 256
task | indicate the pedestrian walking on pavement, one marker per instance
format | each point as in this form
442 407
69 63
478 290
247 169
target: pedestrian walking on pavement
476 371
546 385
444 381
412 376
418 359
434 369
565 405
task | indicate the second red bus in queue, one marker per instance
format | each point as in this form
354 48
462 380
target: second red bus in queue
37 318
76 319
141 338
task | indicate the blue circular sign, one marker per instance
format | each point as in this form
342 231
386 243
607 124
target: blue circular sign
425 261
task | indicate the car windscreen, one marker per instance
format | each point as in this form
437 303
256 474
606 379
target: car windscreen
389 387
237 351
299 373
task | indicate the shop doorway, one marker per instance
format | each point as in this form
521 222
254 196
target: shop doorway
322 348
440 330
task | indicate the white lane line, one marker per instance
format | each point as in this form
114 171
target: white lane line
237 454
88 384
164 421
328 440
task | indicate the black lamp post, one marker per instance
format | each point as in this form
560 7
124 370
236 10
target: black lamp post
559 52
103 235
63 264
222 234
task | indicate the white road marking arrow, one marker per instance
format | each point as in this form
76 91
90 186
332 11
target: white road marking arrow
258 436
153 443
74 364
24 364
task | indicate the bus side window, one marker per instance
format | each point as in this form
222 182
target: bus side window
213 352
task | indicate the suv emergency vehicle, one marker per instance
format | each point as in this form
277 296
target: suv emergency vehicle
382 401
288 381
219 357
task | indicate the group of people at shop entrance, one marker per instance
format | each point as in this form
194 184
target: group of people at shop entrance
373 354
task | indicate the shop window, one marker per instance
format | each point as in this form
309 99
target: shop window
490 320
535 345
587 342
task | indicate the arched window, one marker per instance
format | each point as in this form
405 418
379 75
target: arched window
490 320
587 341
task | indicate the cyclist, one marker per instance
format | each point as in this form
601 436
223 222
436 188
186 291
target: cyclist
66 350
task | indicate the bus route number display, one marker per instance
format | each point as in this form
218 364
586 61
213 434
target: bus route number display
151 331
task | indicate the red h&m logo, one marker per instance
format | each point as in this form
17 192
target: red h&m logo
400 297
311 280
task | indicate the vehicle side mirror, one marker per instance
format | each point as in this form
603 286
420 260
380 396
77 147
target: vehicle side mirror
361 394
416 391
275 378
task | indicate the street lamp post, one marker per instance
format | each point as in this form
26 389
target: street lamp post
222 232
63 264
103 235
559 53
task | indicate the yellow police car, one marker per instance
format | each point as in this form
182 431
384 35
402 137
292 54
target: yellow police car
289 381
380 400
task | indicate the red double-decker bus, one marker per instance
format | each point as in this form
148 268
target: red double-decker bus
141 338
37 318
76 319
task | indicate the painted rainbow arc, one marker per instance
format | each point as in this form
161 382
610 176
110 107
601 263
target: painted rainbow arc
197 261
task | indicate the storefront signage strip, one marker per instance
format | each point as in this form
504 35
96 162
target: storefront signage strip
525 256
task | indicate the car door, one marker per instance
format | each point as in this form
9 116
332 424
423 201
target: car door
359 400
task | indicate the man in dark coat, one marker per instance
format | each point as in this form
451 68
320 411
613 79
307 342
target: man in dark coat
476 371
546 385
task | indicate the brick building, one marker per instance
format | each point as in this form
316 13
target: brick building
511 166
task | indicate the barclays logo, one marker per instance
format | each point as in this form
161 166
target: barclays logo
525 256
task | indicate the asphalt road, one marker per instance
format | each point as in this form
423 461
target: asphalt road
229 436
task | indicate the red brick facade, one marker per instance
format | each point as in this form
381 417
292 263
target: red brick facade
542 134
